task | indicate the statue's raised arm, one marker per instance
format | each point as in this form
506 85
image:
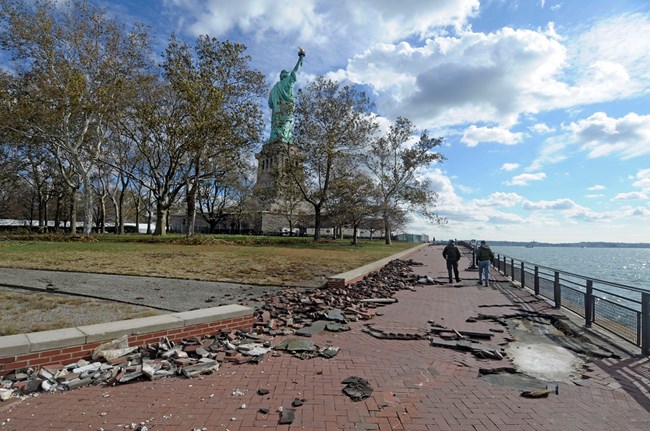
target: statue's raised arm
282 103
301 55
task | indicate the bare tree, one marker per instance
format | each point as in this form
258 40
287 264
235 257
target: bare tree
333 122
352 201
158 130
396 160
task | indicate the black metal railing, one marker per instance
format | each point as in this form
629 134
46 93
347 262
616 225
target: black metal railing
621 310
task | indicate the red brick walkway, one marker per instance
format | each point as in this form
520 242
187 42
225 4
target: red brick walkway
416 386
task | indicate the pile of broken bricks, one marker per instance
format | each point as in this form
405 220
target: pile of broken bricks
295 312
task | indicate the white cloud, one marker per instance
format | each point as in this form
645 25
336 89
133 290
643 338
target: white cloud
630 196
600 135
643 180
552 151
509 166
442 185
254 16
558 204
596 187
524 179
473 135
500 199
541 128
639 212
469 77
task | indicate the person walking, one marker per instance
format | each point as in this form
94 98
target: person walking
452 256
484 258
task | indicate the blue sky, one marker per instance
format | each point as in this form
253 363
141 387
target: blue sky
543 105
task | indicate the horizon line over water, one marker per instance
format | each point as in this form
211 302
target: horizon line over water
624 265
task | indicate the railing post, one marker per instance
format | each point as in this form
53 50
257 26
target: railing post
536 281
505 267
512 269
589 299
557 292
645 323
473 264
523 277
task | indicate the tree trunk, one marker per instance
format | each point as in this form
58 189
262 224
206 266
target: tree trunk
149 214
60 207
120 216
161 220
149 220
73 212
88 206
118 213
46 215
317 223
191 210
387 232
354 235
101 222
39 200
137 213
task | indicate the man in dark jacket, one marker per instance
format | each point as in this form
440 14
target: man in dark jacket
484 258
452 256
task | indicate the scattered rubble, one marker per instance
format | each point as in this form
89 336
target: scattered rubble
302 312
190 358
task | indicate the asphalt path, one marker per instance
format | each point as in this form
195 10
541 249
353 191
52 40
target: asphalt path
166 294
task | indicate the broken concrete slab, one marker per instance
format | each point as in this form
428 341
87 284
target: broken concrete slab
329 352
296 345
337 327
253 349
287 416
357 388
200 368
379 301
313 329
463 333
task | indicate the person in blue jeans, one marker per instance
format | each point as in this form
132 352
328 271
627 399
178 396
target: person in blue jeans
484 257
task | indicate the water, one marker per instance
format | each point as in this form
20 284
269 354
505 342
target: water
629 266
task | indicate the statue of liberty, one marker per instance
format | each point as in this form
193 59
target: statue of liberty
282 104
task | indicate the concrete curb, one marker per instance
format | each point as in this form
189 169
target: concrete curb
349 277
